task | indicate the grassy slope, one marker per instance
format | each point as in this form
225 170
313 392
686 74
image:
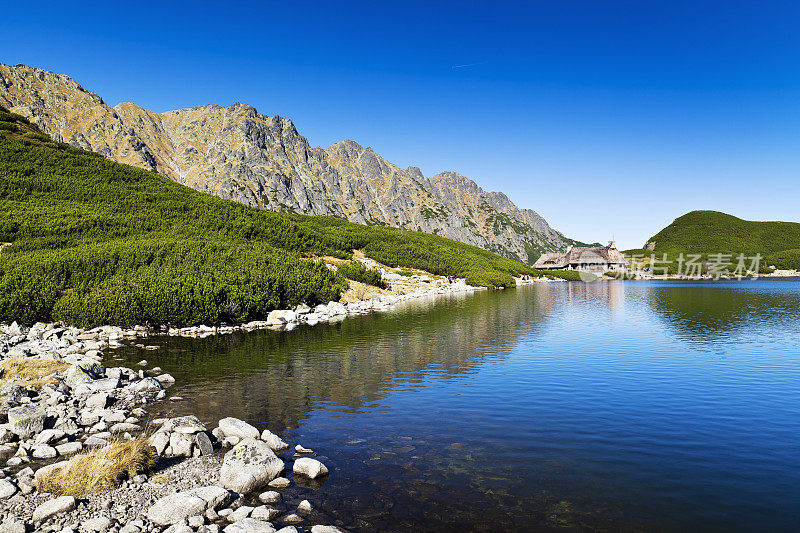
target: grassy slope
711 232
95 241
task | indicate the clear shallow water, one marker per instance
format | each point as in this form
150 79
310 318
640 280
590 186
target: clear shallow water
609 406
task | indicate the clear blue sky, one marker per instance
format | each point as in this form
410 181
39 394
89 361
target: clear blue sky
608 118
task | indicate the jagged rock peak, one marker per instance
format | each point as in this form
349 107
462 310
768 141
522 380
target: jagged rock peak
260 160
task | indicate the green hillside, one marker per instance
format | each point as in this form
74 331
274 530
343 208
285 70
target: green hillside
712 232
90 241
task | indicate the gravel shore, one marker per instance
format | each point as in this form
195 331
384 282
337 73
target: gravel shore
58 401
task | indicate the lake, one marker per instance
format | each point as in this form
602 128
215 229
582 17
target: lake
657 406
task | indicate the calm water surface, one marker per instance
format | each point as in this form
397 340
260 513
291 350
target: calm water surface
651 406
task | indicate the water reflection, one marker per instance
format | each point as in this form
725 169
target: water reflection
702 313
273 378
602 406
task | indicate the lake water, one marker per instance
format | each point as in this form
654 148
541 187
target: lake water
657 406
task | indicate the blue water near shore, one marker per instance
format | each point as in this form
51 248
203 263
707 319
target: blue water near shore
658 406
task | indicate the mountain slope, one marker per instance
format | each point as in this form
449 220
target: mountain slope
707 232
712 232
258 160
90 241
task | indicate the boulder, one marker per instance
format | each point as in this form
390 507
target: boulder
214 495
7 489
147 384
99 399
309 467
268 514
103 384
250 525
274 441
202 443
49 435
184 424
180 506
26 420
282 315
75 376
175 508
10 395
69 448
326 529
159 441
270 496
42 451
233 427
166 380
249 465
51 508
45 469
99 523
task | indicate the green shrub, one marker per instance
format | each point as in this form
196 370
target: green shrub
405 273
98 242
358 272
490 278
784 260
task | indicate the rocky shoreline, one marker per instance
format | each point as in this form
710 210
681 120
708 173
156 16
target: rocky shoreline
231 478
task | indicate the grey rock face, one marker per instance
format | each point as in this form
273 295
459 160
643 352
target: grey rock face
249 465
263 161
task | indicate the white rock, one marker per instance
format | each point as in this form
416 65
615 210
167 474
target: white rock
249 465
44 452
250 525
309 467
7 489
270 496
69 448
49 435
240 514
50 508
274 441
233 427
304 507
262 512
175 508
282 315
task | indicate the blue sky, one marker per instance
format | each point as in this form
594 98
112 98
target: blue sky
608 118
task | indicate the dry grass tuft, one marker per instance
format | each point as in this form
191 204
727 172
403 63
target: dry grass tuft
99 469
360 291
161 478
30 372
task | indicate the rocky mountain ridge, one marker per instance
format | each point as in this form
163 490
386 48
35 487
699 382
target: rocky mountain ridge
263 161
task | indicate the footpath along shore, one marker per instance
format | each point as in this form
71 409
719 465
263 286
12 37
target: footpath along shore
59 405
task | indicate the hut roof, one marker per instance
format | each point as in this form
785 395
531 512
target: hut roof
582 255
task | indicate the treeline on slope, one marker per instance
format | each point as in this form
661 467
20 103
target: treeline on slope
93 241
709 233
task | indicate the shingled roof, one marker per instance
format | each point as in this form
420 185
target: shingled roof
582 256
